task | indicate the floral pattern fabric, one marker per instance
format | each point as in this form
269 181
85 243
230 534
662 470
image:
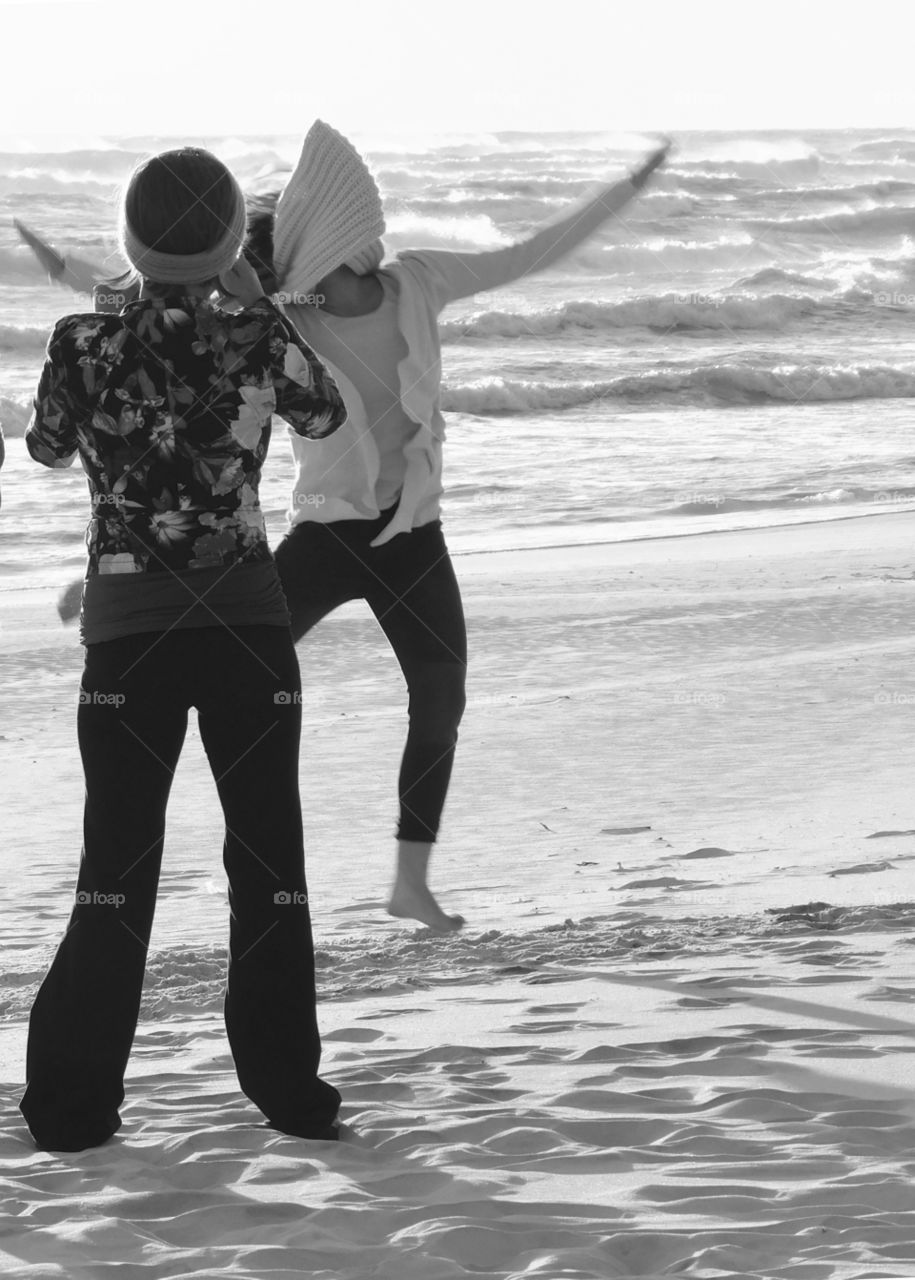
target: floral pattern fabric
168 406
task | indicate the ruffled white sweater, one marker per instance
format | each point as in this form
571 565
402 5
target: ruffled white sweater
336 477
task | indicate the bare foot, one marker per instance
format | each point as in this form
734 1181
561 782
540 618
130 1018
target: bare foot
415 902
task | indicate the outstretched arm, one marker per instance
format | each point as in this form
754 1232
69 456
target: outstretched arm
79 274
458 275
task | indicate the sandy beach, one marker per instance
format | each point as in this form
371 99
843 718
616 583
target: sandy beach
676 1035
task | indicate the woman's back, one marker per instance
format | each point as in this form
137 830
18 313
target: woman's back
168 405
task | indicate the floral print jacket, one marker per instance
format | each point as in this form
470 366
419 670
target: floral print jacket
168 406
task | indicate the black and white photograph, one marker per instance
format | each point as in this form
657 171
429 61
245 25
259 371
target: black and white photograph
457 640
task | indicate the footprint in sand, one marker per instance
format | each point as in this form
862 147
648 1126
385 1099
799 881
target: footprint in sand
356 1035
556 1008
664 882
862 869
804 909
540 1028
699 1002
710 852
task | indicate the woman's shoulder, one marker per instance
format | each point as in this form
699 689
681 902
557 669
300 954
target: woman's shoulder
260 317
82 326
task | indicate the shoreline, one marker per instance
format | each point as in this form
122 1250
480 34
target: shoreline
751 694
589 545
827 519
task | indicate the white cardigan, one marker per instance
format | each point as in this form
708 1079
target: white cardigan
336 476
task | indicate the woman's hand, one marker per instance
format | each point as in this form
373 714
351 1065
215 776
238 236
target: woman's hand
648 166
240 281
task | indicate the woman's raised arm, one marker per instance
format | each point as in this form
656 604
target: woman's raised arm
459 275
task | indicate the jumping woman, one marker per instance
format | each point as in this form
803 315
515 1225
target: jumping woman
365 511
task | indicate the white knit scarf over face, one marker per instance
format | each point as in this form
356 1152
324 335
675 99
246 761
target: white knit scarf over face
329 213
187 268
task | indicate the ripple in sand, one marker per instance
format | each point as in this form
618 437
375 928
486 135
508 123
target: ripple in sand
666 882
710 852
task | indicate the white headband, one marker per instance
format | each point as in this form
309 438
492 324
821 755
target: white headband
190 268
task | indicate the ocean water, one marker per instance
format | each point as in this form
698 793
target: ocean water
734 351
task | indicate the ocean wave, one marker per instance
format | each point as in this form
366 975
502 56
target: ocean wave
722 383
90 172
508 395
881 187
902 147
668 312
20 266
732 383
111 165
774 170
59 186
778 276
414 230
14 416
894 220
424 219
793 499
14 337
664 255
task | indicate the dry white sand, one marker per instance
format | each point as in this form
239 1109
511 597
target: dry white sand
676 1037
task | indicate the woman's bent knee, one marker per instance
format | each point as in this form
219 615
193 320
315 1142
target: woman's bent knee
437 700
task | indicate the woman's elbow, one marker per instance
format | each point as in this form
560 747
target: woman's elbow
42 454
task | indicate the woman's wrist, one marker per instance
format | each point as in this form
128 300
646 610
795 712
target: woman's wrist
648 166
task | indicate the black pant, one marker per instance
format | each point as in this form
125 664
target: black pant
132 719
409 585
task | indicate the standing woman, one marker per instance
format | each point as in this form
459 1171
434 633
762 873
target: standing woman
365 510
168 406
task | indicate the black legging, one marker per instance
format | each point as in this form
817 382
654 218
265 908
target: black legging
132 721
409 585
